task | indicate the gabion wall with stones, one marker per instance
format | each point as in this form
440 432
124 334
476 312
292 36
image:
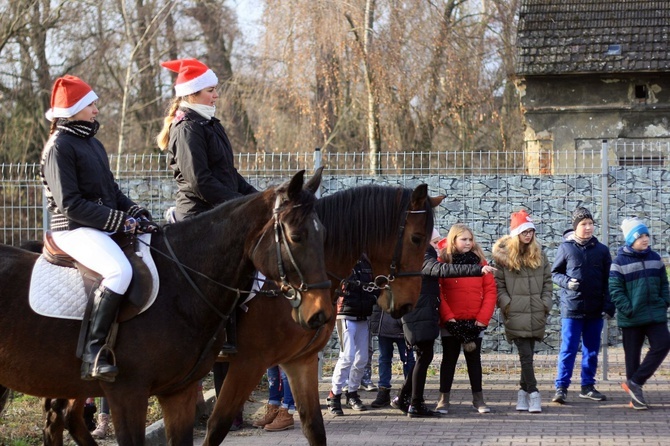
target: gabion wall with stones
485 203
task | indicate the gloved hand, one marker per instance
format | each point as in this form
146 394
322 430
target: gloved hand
573 284
146 226
129 225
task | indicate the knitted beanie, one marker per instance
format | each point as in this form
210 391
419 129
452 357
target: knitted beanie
193 76
579 214
519 222
69 96
633 228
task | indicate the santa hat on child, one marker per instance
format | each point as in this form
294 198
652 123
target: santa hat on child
193 76
519 222
69 96
633 228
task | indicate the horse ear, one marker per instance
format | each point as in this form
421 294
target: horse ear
419 196
295 186
434 201
313 184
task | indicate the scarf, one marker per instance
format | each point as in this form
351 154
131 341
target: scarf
206 111
581 241
82 129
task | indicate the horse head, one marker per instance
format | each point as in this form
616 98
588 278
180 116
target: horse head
297 259
400 289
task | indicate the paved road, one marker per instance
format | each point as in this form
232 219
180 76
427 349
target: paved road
580 422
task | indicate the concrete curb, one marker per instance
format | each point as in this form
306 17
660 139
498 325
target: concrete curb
155 433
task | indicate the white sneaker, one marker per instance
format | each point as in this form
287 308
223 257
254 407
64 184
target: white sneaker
535 402
522 401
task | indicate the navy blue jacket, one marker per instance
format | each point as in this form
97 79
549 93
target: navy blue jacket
590 265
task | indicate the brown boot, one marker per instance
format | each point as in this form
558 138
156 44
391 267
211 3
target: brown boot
282 421
271 411
103 426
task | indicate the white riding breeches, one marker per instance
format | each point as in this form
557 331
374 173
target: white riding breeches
96 250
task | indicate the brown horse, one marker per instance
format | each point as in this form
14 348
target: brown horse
168 348
392 225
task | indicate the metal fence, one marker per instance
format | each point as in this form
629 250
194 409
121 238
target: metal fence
614 179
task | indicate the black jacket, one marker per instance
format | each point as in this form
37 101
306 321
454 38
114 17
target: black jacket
355 301
383 324
423 322
79 185
202 160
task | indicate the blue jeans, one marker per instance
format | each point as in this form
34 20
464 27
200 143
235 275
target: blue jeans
386 358
572 331
280 391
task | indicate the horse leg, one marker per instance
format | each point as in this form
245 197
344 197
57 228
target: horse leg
238 385
179 414
74 423
128 407
4 396
303 377
54 409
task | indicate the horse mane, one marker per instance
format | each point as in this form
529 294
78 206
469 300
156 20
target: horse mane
361 218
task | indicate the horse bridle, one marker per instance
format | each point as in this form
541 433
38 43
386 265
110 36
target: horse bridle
293 294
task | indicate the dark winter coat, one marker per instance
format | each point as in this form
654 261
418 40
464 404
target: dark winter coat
355 301
383 324
422 323
202 160
638 285
590 265
79 184
524 296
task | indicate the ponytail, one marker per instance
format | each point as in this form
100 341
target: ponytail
163 137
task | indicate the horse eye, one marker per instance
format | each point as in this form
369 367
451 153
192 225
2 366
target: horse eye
417 239
296 237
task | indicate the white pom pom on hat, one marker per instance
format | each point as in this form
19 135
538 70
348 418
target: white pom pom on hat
193 76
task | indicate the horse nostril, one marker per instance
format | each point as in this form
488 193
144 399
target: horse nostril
318 320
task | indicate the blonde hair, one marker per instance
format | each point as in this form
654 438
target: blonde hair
449 250
522 254
163 138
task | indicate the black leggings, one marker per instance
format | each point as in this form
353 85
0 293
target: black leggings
415 383
451 349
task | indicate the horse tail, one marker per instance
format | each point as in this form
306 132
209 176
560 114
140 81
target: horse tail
4 397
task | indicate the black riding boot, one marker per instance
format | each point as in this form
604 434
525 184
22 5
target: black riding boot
95 364
230 346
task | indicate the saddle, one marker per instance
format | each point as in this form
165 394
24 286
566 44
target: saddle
140 287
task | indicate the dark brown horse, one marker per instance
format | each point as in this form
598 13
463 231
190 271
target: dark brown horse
392 225
168 348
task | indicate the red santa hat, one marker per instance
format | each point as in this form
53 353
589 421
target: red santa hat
520 222
193 76
69 96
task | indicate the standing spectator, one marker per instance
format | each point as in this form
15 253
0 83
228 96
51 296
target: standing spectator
581 269
280 407
523 278
389 332
354 307
104 419
466 307
638 283
422 325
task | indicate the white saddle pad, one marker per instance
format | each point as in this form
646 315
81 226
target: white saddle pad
57 291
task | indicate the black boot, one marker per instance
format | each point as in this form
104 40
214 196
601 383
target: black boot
335 404
230 346
95 363
383 398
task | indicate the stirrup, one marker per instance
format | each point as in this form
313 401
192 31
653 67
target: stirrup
110 375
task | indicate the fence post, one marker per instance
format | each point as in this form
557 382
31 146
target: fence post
318 162
604 213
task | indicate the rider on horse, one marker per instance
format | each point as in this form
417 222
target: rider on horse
86 207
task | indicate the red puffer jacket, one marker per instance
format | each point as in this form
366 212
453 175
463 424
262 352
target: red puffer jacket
465 298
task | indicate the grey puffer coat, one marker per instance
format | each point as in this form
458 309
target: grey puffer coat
524 296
